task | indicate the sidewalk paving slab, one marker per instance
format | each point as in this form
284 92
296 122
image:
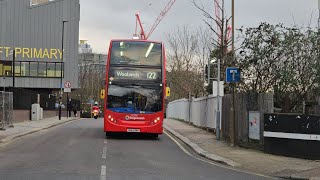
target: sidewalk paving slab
246 159
29 127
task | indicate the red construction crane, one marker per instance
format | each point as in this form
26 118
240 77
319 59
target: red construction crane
156 23
218 20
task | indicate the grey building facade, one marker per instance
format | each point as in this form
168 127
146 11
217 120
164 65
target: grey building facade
34 32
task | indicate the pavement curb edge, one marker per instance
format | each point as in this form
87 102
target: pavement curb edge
10 138
201 151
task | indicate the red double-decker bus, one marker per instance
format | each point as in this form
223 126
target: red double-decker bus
135 87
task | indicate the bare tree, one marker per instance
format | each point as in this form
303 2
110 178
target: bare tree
186 57
219 24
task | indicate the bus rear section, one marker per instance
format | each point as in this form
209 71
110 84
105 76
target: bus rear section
135 88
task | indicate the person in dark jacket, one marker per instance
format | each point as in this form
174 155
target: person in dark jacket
69 108
75 110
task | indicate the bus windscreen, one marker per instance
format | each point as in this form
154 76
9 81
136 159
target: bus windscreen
134 99
136 53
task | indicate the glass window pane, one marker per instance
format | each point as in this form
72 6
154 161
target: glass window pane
17 69
42 71
58 69
51 70
7 68
33 69
25 69
1 69
134 98
136 53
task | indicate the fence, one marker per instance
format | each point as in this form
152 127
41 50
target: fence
244 103
294 135
6 111
201 112
198 111
23 98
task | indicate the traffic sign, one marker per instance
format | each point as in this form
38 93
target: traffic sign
232 74
66 90
67 84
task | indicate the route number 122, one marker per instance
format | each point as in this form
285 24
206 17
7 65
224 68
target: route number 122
152 75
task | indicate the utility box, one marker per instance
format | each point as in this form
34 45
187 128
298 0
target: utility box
35 112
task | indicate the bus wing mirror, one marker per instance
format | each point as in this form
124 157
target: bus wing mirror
168 91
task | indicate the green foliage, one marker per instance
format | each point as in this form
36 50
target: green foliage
281 59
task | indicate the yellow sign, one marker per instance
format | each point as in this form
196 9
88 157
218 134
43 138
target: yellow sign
32 53
168 91
102 93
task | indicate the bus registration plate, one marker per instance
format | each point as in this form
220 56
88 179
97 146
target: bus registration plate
133 130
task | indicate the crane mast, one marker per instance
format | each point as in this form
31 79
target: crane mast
163 13
138 21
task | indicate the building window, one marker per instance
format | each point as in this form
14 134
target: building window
58 70
42 70
25 69
51 69
17 69
7 68
32 69
37 2
1 69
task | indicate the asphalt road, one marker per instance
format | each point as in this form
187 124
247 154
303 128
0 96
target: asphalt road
79 150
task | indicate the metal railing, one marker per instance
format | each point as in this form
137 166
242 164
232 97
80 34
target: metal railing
6 111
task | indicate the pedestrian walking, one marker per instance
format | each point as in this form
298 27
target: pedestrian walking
69 108
75 110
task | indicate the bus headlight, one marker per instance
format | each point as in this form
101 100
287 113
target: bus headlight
110 118
155 121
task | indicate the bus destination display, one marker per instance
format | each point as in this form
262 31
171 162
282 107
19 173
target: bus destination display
151 75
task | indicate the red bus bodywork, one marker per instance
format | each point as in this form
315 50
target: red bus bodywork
115 122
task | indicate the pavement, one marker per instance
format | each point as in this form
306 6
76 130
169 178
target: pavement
29 127
80 150
205 144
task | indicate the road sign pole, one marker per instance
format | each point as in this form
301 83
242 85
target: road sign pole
232 77
232 119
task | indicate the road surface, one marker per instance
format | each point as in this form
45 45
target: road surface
79 150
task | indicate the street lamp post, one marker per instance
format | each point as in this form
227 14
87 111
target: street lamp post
13 68
61 69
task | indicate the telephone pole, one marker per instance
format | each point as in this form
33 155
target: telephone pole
62 69
318 29
232 119
318 18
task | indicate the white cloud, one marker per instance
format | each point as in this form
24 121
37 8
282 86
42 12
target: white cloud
103 20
